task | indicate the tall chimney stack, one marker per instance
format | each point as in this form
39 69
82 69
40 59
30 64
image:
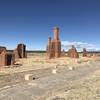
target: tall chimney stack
56 33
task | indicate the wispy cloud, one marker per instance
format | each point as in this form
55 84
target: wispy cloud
79 45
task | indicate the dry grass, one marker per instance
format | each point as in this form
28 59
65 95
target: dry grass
39 61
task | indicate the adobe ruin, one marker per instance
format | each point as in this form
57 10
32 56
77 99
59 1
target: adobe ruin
20 51
84 52
6 58
73 52
2 49
63 53
54 46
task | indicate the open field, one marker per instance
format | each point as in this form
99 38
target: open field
75 79
39 61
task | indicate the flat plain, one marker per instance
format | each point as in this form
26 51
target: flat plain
75 79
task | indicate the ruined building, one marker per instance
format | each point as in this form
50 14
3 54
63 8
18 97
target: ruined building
73 53
54 46
2 49
84 53
6 58
20 51
63 53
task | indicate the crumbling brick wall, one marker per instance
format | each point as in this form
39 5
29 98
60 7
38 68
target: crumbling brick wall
20 51
73 53
7 59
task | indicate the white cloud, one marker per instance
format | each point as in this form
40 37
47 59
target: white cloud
79 45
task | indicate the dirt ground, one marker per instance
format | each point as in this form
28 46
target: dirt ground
89 89
75 79
39 61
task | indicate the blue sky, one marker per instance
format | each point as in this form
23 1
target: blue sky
32 21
